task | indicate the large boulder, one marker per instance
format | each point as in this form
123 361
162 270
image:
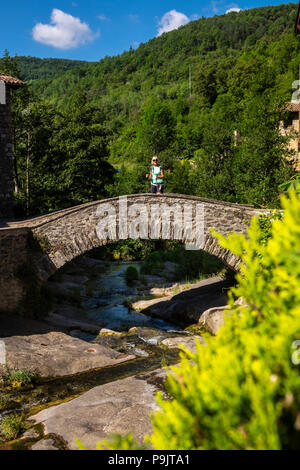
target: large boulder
213 319
188 342
186 308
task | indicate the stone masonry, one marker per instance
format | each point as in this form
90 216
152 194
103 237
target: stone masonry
7 83
6 163
48 242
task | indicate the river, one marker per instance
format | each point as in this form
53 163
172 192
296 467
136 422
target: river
126 331
108 307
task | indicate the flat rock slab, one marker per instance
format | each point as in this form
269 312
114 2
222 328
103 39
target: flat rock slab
187 307
45 444
58 354
189 342
141 305
115 408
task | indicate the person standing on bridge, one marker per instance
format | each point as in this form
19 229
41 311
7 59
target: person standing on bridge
157 177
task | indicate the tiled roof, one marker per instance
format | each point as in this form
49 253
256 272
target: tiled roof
12 81
294 107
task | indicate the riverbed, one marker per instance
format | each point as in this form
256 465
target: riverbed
99 363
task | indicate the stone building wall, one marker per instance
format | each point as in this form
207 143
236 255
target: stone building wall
14 254
6 159
291 129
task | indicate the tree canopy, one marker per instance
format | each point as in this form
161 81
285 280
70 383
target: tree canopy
139 103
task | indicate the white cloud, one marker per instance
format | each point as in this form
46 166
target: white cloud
171 20
103 18
64 31
234 9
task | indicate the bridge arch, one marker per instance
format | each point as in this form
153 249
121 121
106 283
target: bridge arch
67 234
40 246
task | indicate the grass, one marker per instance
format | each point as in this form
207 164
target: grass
4 400
18 378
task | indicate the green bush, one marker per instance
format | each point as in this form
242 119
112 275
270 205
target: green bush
292 185
191 264
265 222
131 275
242 390
4 400
153 263
12 426
131 250
21 377
18 378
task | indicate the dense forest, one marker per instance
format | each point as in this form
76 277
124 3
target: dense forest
218 138
33 68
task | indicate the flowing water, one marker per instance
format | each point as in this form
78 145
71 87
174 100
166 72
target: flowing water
108 307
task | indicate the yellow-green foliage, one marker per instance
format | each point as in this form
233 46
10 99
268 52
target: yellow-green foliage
242 390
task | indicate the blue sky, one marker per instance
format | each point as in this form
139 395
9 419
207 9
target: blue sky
92 29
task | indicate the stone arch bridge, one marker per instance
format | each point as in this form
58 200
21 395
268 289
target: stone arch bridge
36 248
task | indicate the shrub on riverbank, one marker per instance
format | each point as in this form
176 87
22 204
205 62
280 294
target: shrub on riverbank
242 391
12 426
131 275
191 264
17 378
132 250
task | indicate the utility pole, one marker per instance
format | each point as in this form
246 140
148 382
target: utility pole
190 79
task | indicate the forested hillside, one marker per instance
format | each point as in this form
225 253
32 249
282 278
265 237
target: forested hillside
126 108
33 68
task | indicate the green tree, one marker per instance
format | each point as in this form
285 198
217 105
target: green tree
155 130
260 163
81 143
9 65
36 170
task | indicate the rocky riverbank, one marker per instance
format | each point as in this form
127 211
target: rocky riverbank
96 380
